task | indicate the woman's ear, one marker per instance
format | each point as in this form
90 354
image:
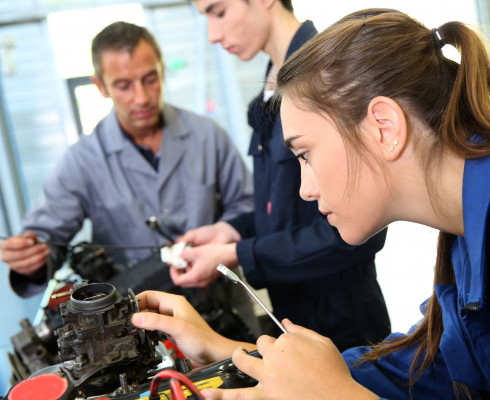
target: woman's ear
387 123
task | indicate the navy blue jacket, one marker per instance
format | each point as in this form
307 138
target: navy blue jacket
287 241
464 351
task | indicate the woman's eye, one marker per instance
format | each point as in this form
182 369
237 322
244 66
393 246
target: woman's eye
302 156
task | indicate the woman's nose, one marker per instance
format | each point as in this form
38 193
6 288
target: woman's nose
308 190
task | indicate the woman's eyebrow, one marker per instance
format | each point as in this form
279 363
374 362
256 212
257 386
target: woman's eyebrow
289 141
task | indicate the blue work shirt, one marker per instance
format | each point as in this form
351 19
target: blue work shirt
464 350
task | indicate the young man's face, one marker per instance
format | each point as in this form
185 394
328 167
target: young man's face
134 83
241 27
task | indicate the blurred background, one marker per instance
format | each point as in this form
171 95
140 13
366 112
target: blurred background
47 102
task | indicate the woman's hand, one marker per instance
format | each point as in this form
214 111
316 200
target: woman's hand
300 364
184 327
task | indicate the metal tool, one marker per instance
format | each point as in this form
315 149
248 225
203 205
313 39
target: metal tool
154 223
231 275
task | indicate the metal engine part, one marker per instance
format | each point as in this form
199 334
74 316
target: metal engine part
35 348
98 343
93 265
103 354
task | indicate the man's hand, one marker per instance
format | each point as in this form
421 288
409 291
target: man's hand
24 254
184 327
202 262
218 233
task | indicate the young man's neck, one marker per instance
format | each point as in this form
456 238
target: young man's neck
284 27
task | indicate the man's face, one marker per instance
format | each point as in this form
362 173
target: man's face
241 27
134 83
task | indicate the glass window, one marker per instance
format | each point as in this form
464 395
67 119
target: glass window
71 34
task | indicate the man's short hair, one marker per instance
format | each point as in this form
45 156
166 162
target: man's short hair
120 36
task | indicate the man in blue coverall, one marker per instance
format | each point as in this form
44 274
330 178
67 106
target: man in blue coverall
313 277
144 159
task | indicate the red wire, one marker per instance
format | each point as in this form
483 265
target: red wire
176 380
176 390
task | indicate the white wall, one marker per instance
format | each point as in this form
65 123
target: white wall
432 13
405 271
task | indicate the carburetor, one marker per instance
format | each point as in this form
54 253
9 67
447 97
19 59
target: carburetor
100 344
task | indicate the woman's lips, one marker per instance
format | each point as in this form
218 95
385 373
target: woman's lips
327 214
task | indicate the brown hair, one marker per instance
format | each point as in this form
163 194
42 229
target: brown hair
120 36
389 54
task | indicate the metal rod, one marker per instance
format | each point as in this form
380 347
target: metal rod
234 277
